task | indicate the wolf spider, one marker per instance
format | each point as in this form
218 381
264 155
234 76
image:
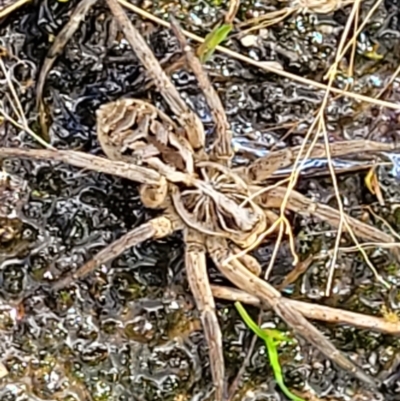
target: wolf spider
221 210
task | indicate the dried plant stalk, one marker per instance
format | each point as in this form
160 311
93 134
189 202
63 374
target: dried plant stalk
314 311
59 43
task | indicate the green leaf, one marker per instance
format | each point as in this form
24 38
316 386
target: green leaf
212 40
278 336
269 336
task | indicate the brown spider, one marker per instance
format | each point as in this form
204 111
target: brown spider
221 210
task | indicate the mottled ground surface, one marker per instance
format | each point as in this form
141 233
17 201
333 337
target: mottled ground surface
130 331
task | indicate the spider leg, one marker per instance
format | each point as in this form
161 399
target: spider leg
87 161
302 205
196 268
187 118
239 275
250 262
264 167
222 147
156 228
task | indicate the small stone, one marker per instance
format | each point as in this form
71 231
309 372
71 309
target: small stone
249 40
3 371
271 65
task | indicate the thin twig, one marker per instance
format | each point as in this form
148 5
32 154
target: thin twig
262 65
266 20
12 6
232 10
18 109
344 49
236 381
322 128
384 222
390 82
296 272
58 45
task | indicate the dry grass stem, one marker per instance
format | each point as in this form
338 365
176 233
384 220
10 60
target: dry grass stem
320 6
263 65
9 6
232 11
266 20
315 311
18 110
344 48
58 45
343 222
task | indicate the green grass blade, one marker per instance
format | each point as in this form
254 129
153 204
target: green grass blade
212 40
268 336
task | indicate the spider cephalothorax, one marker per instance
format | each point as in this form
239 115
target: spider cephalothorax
206 195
